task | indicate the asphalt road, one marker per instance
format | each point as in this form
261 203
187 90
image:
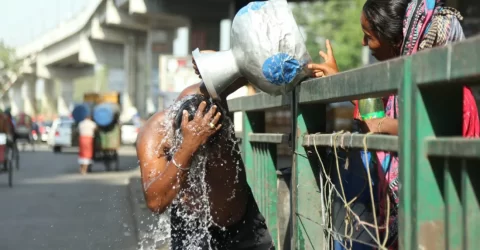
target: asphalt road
51 206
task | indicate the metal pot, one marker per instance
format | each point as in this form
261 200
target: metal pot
267 49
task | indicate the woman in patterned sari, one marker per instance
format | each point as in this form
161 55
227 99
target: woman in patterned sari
395 28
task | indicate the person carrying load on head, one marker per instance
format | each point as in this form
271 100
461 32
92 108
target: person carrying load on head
86 130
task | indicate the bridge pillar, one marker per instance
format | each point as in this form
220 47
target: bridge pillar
65 97
141 68
48 97
62 86
15 95
28 89
158 42
130 69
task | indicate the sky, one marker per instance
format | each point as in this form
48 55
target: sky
22 21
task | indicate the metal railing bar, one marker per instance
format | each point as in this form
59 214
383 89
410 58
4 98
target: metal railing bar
453 147
374 142
258 102
456 63
239 135
269 138
372 81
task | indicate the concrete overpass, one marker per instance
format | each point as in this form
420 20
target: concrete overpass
115 44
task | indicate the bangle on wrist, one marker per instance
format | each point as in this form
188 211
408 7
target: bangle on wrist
179 166
380 125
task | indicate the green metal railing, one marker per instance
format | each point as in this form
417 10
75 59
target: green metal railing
439 170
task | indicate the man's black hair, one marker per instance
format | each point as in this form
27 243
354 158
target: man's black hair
190 104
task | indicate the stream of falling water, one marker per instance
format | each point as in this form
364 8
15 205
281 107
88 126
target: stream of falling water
192 202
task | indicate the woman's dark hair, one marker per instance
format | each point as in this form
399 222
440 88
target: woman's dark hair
190 103
386 18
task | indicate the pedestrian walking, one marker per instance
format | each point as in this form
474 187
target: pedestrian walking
86 129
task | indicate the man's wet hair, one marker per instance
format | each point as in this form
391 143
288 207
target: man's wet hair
190 104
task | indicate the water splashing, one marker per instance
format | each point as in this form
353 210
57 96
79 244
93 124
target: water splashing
189 217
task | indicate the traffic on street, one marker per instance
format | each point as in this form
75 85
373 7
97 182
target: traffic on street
52 206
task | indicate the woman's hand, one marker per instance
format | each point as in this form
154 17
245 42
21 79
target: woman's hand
329 67
195 64
197 131
380 126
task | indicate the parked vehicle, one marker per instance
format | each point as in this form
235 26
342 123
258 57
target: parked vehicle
44 128
129 133
24 126
60 134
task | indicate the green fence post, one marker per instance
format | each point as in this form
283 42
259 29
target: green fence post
471 207
253 122
270 189
260 164
427 205
306 211
467 55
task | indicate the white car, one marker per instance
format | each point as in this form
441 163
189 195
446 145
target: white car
60 134
45 130
129 133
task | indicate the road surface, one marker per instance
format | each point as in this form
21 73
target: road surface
52 207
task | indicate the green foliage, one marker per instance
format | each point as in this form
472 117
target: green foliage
8 63
7 57
338 21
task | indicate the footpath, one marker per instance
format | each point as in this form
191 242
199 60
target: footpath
145 222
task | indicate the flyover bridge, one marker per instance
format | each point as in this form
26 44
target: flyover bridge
113 45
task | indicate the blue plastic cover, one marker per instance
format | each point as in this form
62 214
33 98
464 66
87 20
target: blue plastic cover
281 69
105 114
80 112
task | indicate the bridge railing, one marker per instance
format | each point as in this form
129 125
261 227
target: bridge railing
439 170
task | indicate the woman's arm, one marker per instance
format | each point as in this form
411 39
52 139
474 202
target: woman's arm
385 125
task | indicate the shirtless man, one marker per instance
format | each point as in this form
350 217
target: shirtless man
237 222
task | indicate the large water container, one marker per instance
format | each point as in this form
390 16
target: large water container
106 114
267 48
80 112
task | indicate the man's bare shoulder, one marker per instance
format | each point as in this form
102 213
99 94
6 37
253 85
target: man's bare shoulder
155 121
190 90
150 135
